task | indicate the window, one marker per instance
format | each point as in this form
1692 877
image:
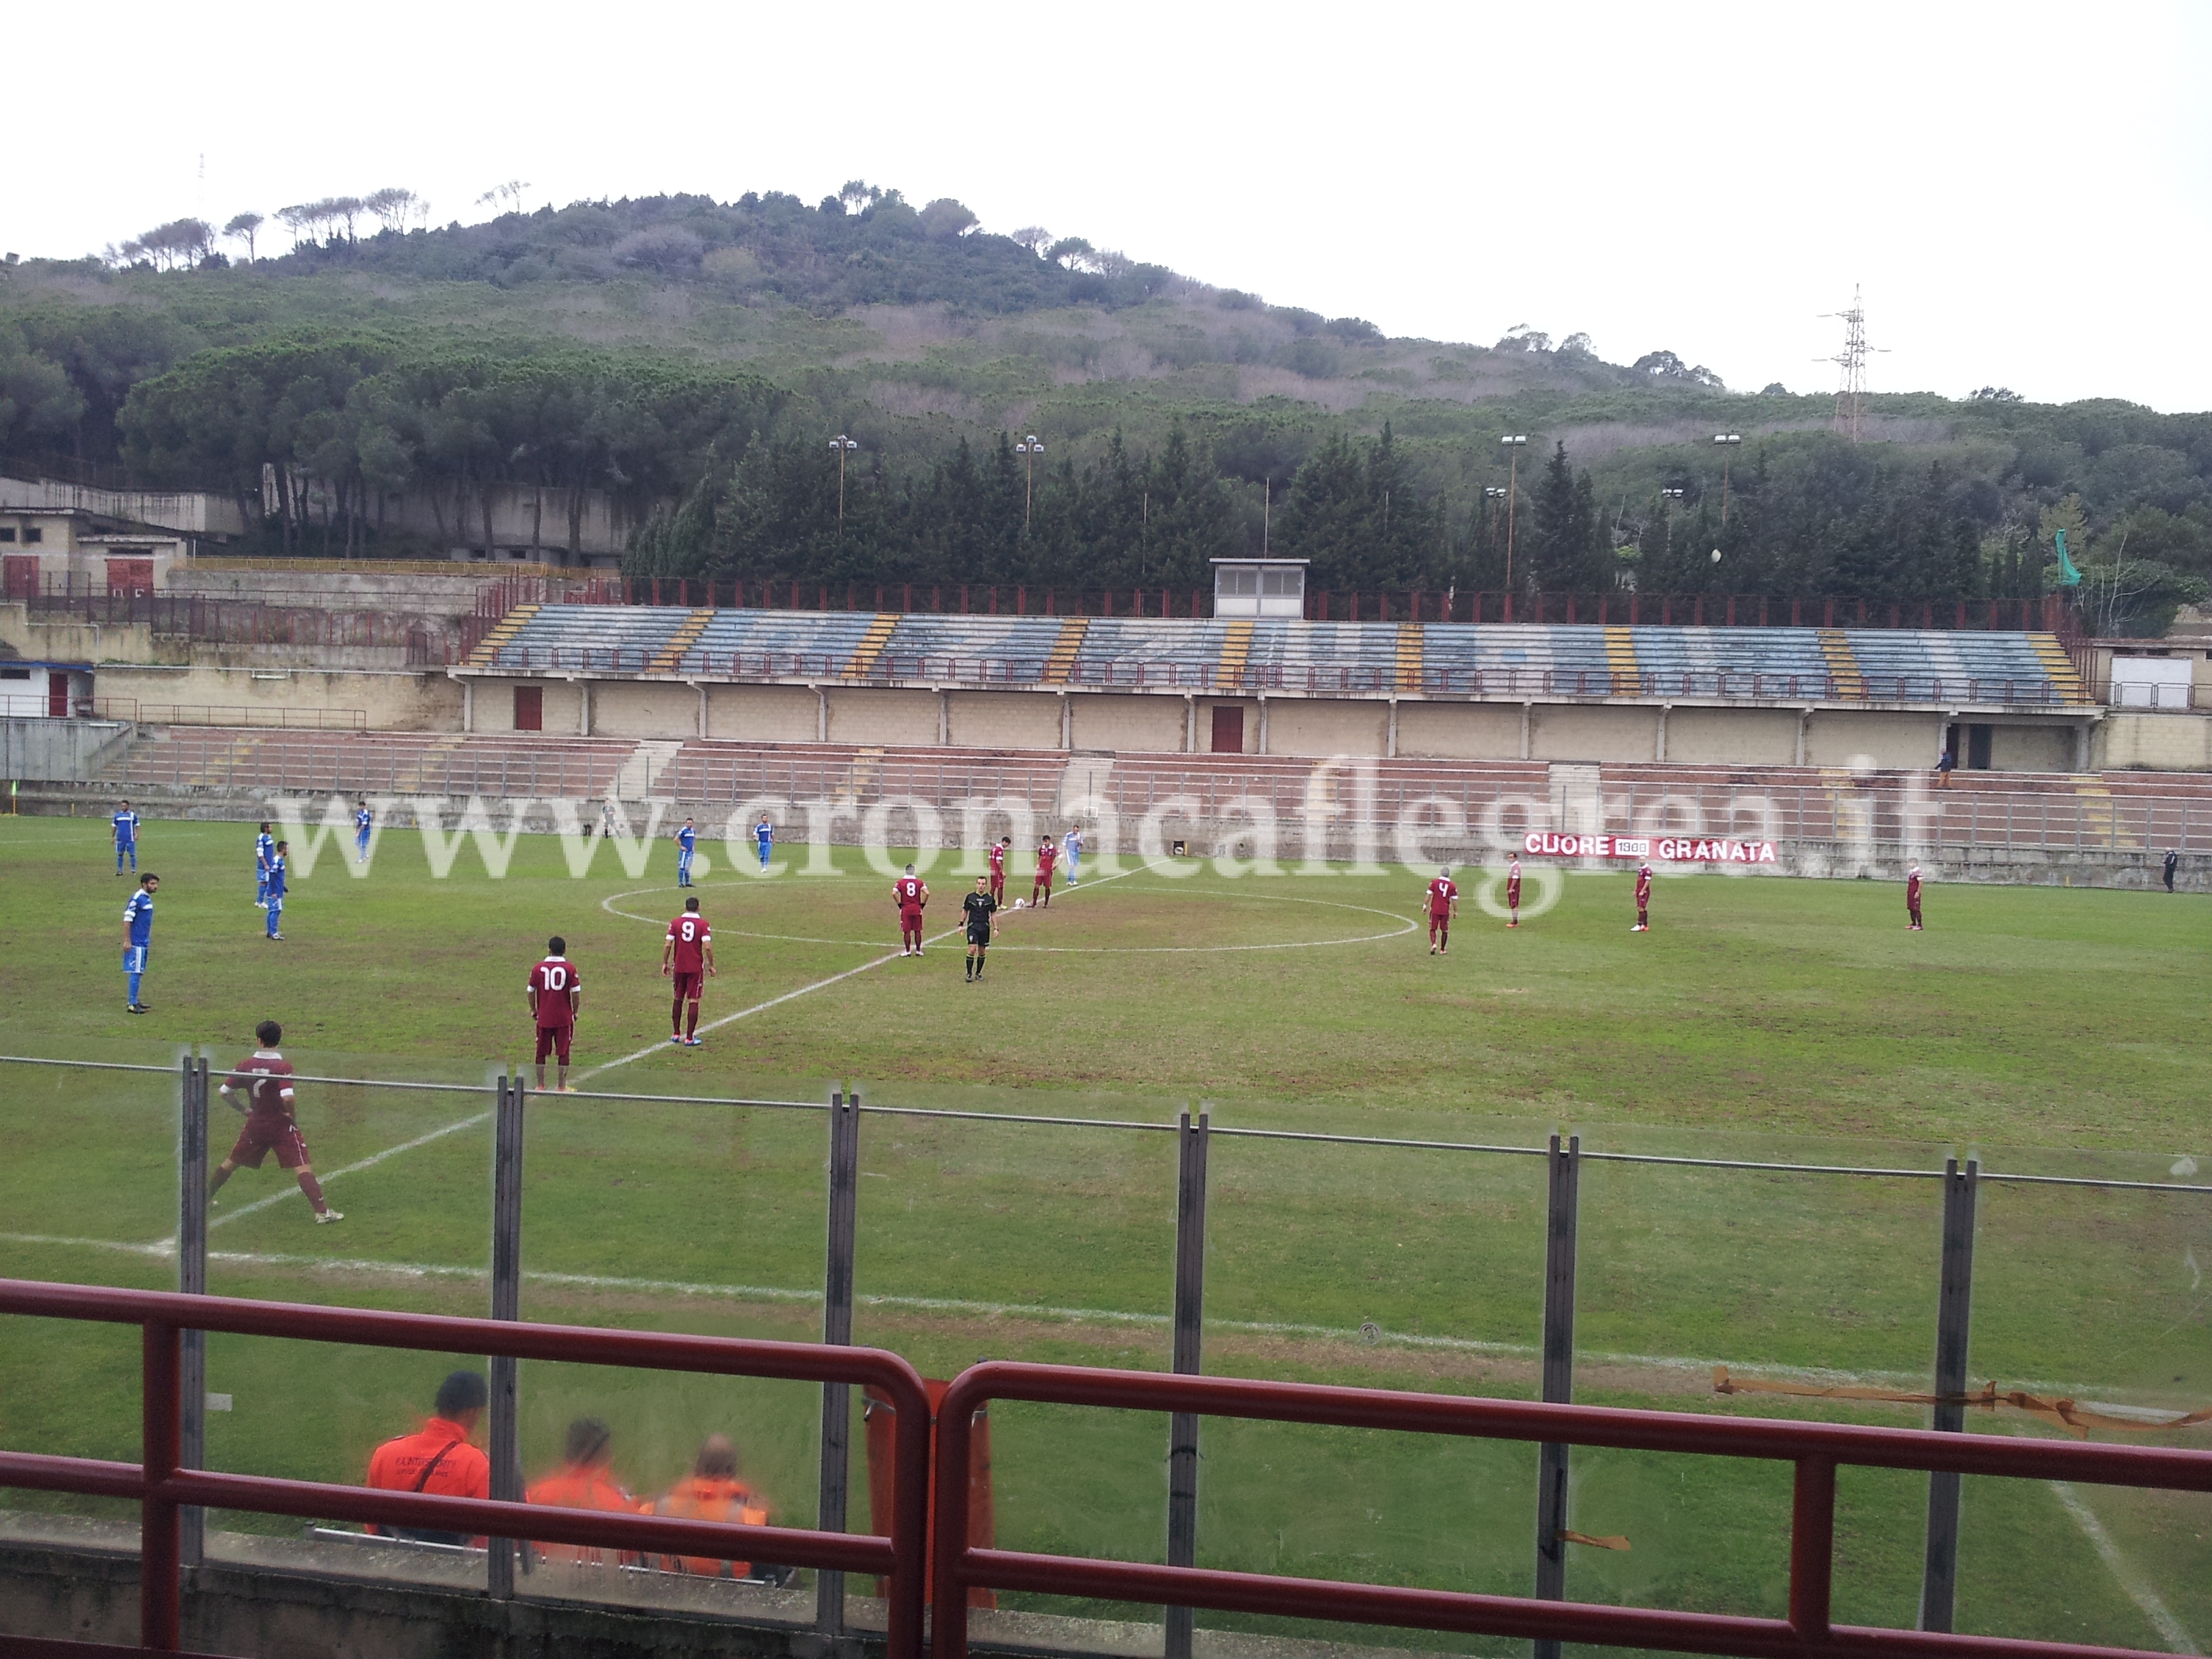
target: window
34 533
14 673
7 533
1280 582
1236 579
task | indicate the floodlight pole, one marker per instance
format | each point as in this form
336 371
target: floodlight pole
1939 1576
1728 442
1189 1329
844 445
1564 1165
1029 449
1514 444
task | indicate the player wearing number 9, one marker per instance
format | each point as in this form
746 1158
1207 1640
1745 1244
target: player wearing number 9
557 991
687 956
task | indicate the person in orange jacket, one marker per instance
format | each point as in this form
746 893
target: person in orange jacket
711 1491
438 1459
584 1482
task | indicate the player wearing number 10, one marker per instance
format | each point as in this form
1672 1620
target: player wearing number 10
687 956
557 991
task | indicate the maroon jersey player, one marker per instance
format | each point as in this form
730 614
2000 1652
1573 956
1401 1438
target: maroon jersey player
1047 855
1513 892
264 1079
1000 849
909 893
1912 899
1642 899
555 992
1442 900
687 956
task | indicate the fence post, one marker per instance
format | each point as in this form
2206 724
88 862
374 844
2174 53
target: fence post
505 1433
1939 1575
838 1327
192 1280
1565 1166
1189 1329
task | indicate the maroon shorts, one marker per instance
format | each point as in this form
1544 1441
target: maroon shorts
554 1039
910 919
1439 918
262 1136
689 988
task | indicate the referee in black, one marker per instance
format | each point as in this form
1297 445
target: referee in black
982 922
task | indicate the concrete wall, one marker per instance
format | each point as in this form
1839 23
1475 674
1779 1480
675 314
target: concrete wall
72 641
58 751
1594 732
1296 726
394 702
2161 743
1008 719
1730 737
493 707
2031 749
1144 725
764 713
640 709
897 719
1835 737
1456 731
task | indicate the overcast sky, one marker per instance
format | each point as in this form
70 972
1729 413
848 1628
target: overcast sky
2023 190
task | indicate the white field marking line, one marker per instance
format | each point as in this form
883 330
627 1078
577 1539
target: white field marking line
369 1163
608 905
2169 1628
1046 1313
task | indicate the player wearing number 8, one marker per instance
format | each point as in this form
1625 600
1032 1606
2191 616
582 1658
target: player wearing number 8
687 956
556 991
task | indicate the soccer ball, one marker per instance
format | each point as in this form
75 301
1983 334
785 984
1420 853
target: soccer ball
1019 903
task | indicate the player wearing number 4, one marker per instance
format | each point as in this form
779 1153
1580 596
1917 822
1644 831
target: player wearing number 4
556 991
1443 905
687 956
1642 899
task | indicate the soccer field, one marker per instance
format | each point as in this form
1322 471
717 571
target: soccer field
2056 1031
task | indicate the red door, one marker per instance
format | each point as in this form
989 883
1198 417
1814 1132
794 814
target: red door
1228 729
56 694
130 576
19 575
530 708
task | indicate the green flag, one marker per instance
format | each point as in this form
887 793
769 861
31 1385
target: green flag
2068 575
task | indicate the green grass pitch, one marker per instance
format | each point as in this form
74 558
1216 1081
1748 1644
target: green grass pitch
2053 1030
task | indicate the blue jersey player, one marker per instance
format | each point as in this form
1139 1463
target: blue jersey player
124 828
687 841
279 873
1070 846
137 934
265 852
764 838
363 821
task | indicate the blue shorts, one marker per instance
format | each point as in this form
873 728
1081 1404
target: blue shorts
134 958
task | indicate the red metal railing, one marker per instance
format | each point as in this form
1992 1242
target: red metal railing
162 1487
1814 1449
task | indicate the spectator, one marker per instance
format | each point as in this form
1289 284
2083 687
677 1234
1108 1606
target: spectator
584 1482
1944 763
712 1492
2172 863
438 1459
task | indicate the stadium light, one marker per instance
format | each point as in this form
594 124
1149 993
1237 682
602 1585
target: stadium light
844 446
1514 443
1726 442
1029 449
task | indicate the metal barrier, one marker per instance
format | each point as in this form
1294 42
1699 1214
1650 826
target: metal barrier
1815 1450
164 1486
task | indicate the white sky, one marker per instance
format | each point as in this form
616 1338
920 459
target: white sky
2024 191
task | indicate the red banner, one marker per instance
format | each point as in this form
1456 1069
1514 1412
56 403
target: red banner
1665 849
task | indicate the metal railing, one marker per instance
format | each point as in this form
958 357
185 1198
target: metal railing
164 1484
1945 1453
231 716
1814 1450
